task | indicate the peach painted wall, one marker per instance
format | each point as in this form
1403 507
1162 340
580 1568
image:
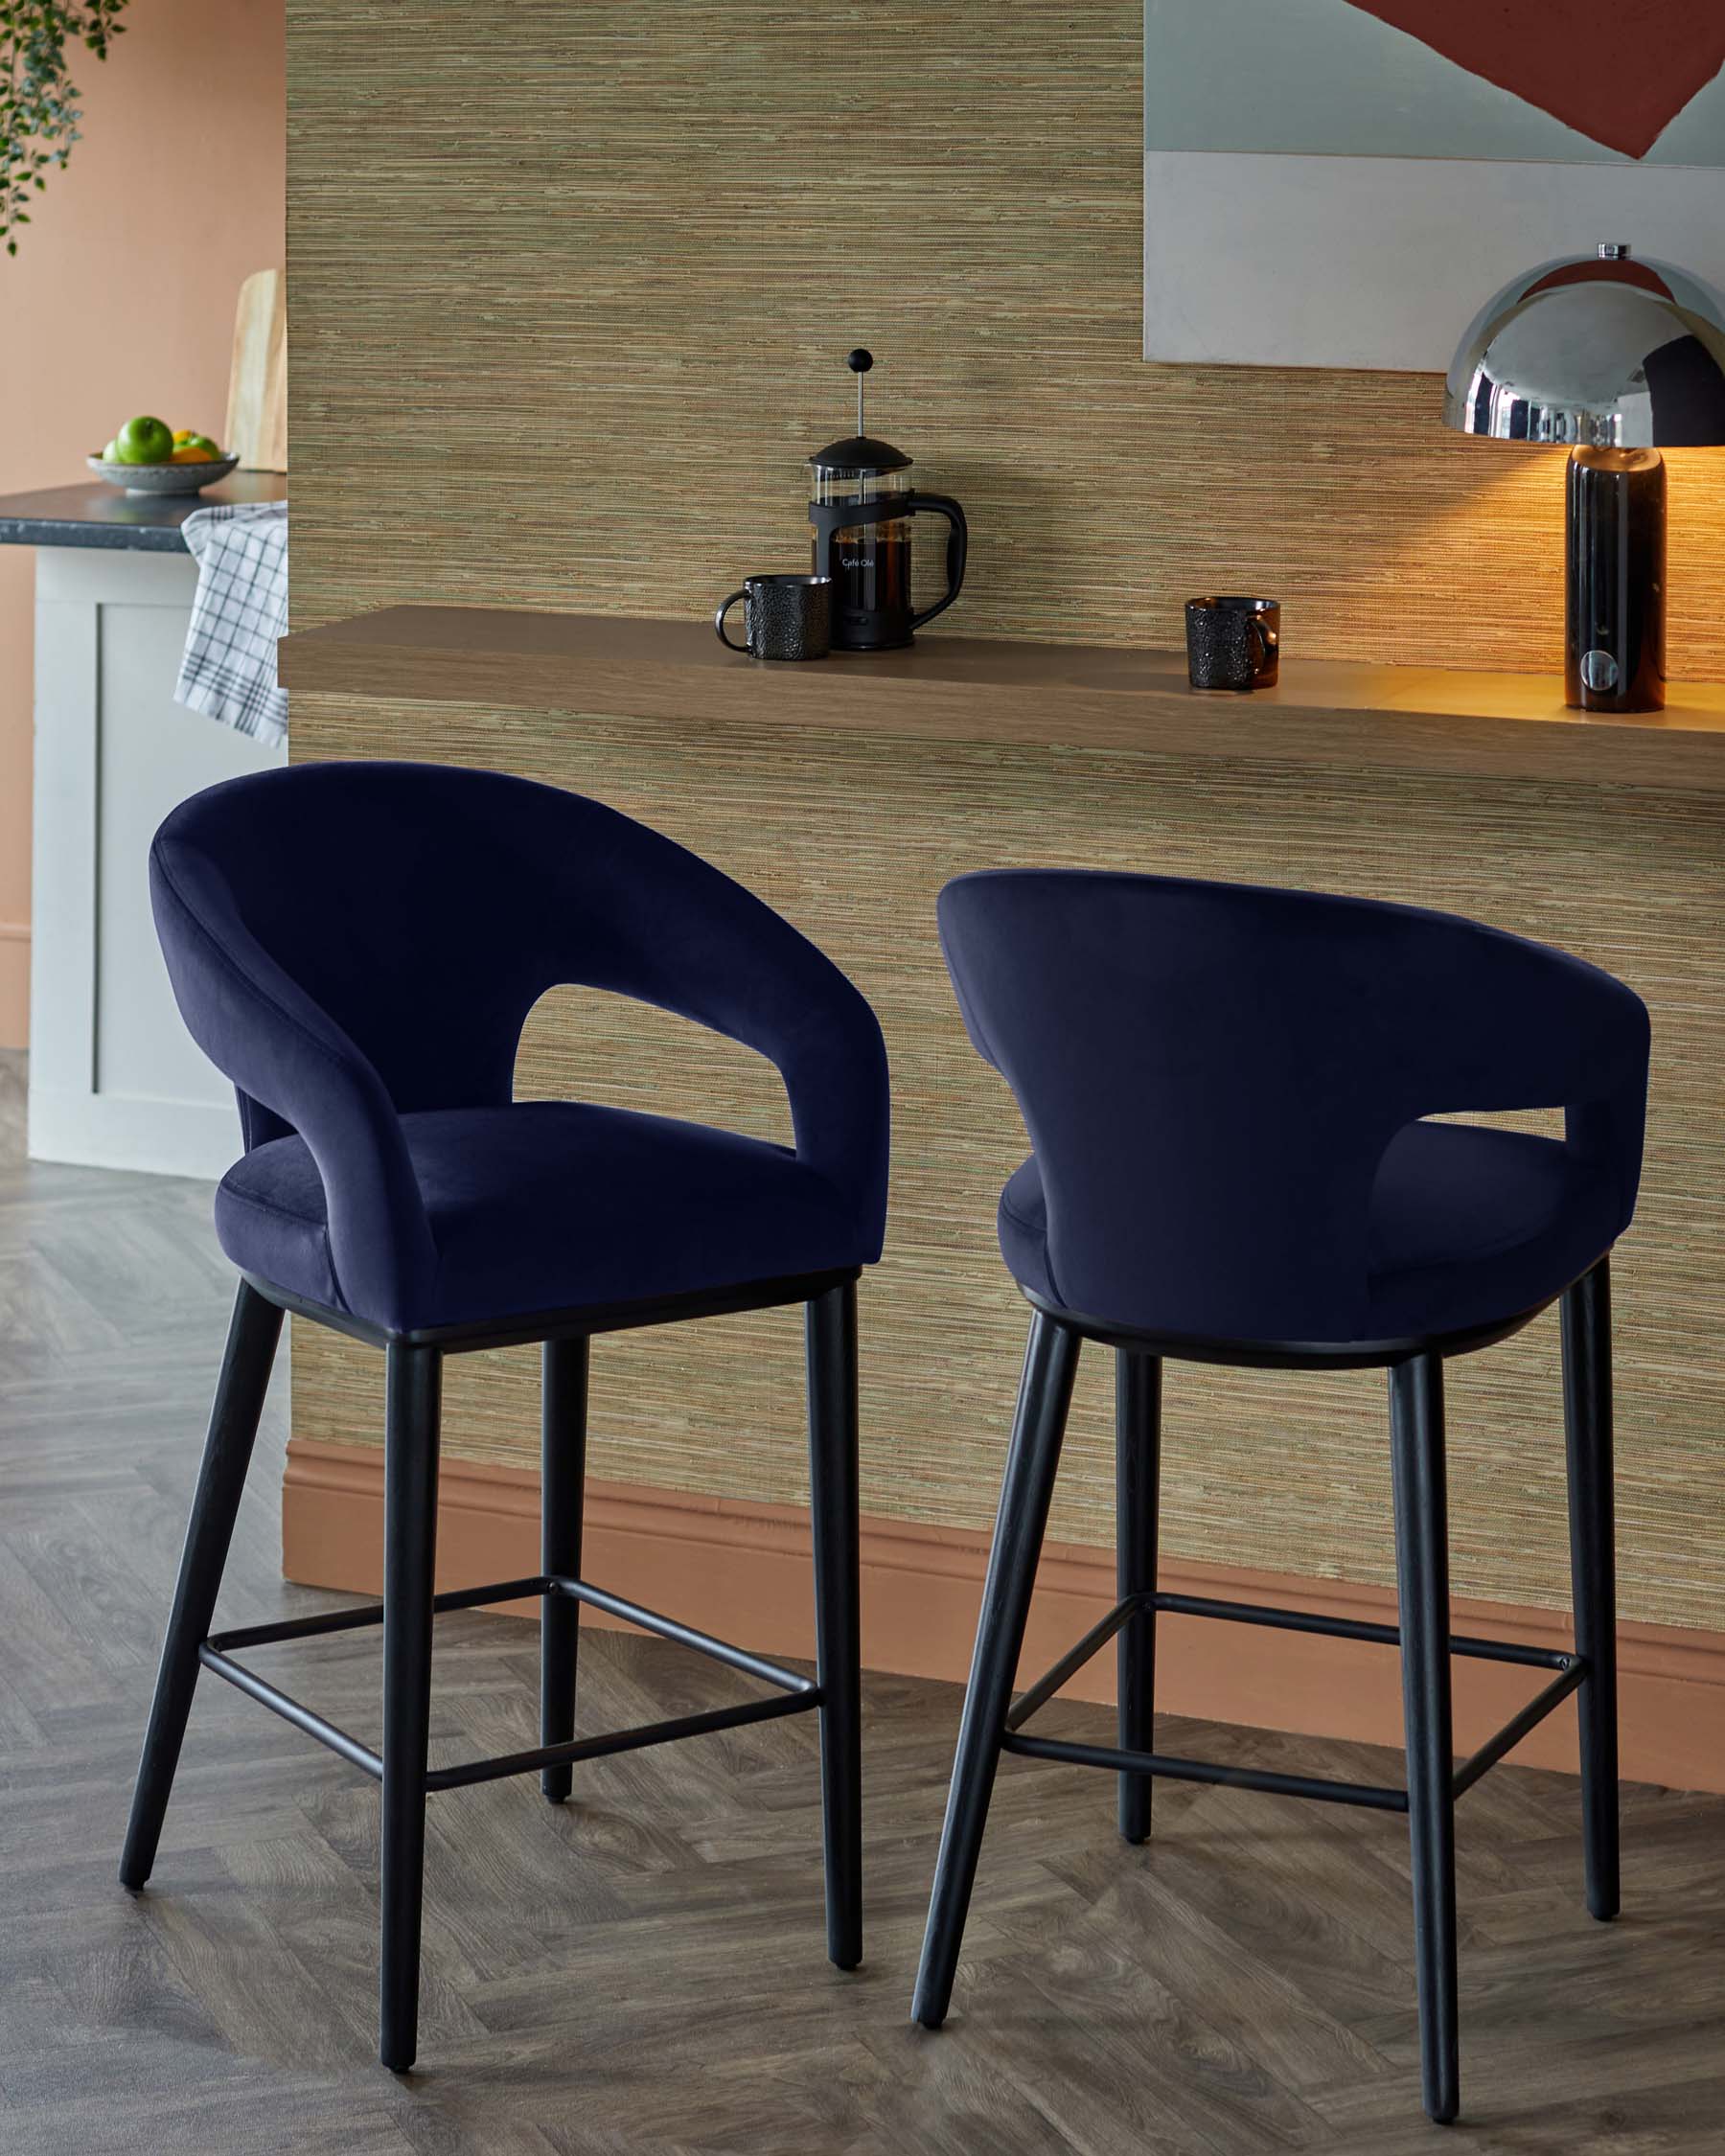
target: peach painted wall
120 300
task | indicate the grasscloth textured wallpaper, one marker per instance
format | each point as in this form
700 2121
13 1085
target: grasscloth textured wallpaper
569 290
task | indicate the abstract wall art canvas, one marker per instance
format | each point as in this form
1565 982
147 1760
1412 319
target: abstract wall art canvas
1343 183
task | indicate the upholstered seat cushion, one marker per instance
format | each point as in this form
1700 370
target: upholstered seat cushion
1468 1225
550 1205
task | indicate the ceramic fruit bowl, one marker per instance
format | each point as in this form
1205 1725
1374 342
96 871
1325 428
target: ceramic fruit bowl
162 478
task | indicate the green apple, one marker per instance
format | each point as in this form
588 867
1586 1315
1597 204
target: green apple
144 441
112 455
201 441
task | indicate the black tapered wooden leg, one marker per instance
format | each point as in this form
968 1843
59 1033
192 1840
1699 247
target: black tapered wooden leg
1045 1394
1138 1482
414 1391
831 1332
562 1485
253 1331
1592 1569
1422 1579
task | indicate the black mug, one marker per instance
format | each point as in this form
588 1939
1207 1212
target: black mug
784 617
1233 643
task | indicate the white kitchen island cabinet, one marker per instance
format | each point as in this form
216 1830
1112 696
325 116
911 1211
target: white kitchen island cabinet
115 1081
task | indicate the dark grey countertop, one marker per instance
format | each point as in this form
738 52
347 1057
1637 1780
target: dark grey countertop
93 513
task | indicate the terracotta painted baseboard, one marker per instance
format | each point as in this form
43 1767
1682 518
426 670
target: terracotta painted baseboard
744 1570
14 984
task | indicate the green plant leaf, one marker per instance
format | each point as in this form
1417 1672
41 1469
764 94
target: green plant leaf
39 98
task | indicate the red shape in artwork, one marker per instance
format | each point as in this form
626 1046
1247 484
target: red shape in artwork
1618 71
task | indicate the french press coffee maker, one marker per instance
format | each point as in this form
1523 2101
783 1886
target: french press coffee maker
860 507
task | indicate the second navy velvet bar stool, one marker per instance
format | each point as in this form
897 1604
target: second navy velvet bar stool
1225 1089
358 946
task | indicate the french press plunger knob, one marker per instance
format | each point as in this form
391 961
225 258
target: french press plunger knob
859 361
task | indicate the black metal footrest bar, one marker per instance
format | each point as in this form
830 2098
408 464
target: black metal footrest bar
470 1771
1173 1769
1352 1628
1572 1671
1517 1727
798 1694
290 1710
682 1635
368 1613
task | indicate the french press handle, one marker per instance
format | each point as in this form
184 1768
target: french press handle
957 546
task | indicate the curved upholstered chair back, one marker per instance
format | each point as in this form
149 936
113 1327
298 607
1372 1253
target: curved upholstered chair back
351 942
1211 1074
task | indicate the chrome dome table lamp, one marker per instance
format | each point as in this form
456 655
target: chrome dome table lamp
1617 358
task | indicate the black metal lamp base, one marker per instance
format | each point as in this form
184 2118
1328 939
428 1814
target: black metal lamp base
1615 546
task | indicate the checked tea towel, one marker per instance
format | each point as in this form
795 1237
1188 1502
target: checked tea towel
228 671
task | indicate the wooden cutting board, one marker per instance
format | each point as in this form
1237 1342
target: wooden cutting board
257 413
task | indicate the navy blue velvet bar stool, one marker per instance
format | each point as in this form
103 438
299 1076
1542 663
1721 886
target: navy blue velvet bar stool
358 946
1225 1089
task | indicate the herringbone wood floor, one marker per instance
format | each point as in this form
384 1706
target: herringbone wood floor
643 1972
